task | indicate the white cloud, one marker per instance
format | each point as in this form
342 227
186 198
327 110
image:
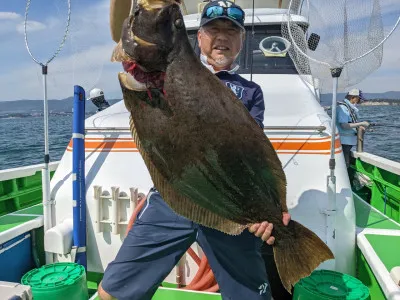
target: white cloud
387 77
31 26
88 68
389 6
8 21
5 15
84 59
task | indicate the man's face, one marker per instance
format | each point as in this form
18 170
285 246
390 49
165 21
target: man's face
220 41
355 100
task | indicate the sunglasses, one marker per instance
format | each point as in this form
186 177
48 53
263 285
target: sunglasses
231 12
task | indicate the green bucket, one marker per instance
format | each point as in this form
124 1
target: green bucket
61 281
330 285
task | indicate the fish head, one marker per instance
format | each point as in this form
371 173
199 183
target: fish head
150 33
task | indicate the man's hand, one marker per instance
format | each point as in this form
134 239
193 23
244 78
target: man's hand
264 229
364 124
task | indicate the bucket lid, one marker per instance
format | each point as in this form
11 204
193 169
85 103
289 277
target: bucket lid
54 275
326 284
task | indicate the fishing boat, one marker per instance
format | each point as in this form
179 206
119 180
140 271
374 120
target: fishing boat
93 199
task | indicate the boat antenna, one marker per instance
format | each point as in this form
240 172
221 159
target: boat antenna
251 44
47 210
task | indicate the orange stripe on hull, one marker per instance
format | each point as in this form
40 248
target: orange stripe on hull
107 150
305 145
327 138
303 152
102 143
284 147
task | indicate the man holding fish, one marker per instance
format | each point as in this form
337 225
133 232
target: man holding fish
160 236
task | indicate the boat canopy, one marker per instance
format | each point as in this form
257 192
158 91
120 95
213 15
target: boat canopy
194 7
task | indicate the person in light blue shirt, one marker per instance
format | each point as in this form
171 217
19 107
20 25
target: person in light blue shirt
347 118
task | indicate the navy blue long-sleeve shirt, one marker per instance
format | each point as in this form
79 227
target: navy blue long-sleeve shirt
248 92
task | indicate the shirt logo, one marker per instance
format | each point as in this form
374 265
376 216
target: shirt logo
263 288
238 90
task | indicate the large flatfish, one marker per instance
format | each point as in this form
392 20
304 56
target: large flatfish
207 156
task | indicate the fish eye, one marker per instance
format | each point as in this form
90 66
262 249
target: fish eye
179 23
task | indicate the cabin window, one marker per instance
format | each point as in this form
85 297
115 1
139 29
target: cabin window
261 63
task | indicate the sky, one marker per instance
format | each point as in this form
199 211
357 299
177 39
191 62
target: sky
85 57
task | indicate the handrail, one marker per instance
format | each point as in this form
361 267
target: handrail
360 140
108 129
319 128
294 128
20 172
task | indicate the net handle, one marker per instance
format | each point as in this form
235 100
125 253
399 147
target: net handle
28 3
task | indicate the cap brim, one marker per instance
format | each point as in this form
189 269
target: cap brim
205 21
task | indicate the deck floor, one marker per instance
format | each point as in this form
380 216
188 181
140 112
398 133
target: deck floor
176 294
367 217
387 248
20 217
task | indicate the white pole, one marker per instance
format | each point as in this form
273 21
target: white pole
331 180
47 205
47 208
333 133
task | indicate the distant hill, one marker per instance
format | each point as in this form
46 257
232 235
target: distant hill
326 99
36 106
65 105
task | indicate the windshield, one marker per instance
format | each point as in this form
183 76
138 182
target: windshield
262 64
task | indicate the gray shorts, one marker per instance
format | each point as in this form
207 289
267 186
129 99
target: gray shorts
158 240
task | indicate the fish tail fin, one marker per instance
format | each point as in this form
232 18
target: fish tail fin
298 256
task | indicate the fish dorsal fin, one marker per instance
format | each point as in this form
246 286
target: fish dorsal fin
180 204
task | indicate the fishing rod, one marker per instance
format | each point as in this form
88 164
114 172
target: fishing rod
376 124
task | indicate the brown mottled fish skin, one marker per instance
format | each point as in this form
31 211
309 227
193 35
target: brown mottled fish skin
207 156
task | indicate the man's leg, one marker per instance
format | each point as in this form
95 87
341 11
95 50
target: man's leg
277 289
153 246
346 152
237 264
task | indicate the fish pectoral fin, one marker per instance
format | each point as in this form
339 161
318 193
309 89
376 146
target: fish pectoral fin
156 98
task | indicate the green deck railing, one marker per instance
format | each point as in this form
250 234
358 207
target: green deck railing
383 192
21 192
